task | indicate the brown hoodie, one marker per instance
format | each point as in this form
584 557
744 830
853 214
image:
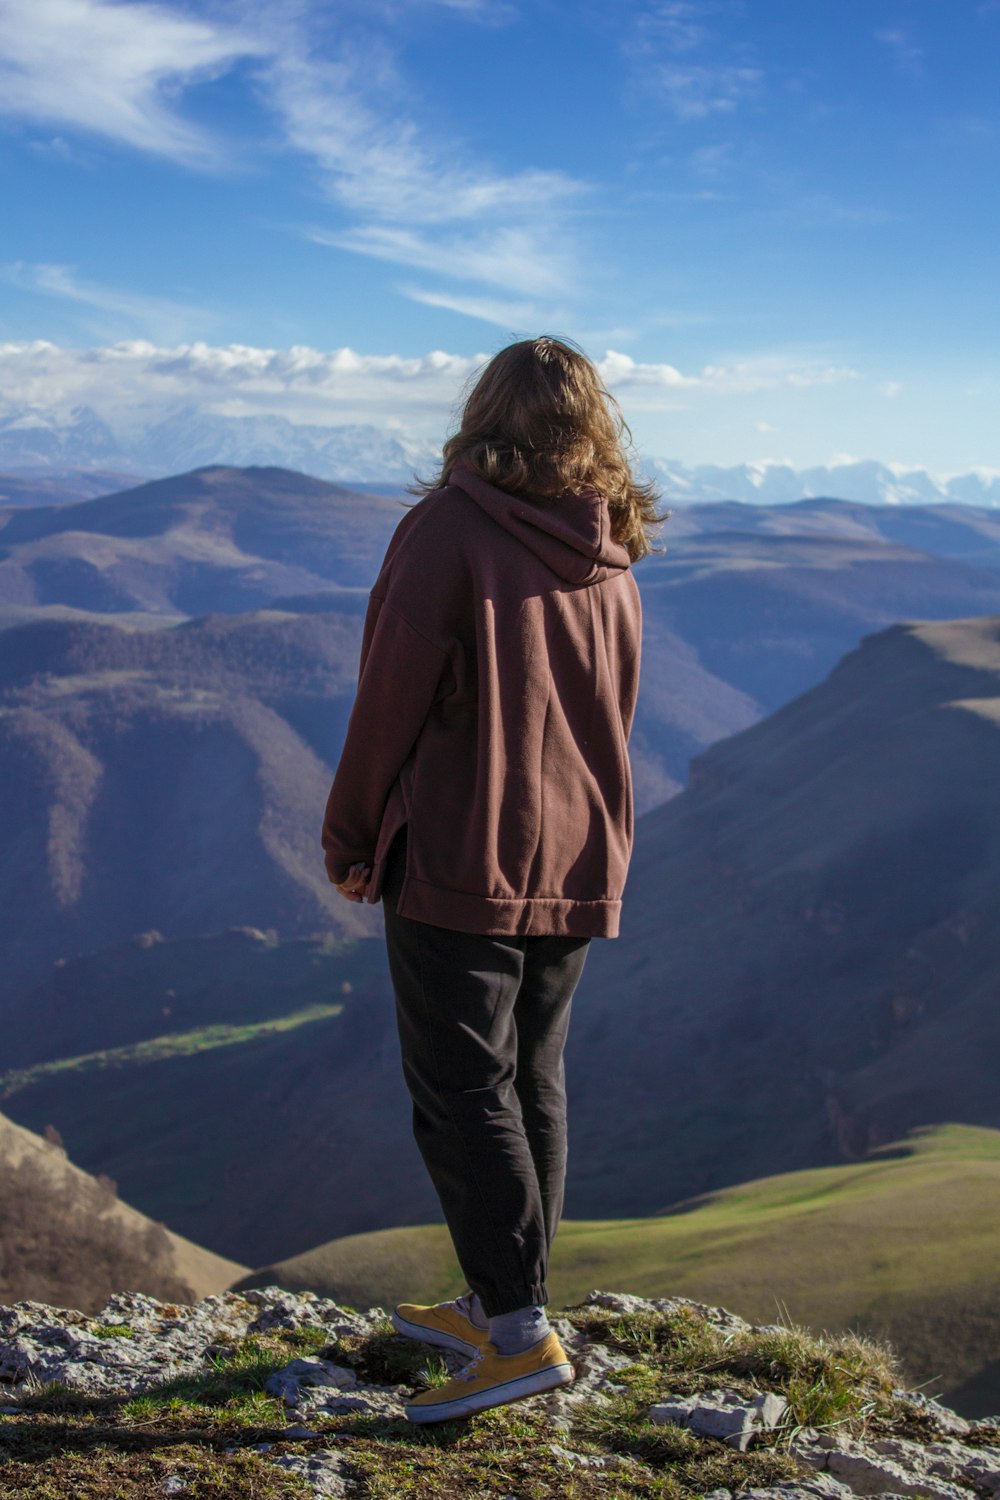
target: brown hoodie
498 677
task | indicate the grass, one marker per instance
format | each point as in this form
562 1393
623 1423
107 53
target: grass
205 1428
174 1044
834 1247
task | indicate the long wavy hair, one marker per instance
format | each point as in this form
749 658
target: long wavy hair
539 422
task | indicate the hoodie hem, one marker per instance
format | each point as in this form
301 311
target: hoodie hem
490 916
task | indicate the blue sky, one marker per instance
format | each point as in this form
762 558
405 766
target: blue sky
773 221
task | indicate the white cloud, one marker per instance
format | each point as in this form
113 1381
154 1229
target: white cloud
890 388
133 382
159 316
743 376
114 70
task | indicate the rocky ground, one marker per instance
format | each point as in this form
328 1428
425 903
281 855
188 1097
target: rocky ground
269 1394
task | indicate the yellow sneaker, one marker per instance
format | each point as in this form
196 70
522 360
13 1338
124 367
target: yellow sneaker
492 1379
448 1324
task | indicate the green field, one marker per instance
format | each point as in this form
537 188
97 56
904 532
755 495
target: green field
903 1245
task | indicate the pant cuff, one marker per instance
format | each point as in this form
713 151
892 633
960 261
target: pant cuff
495 1303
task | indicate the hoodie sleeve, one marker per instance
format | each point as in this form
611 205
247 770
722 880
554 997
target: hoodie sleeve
398 680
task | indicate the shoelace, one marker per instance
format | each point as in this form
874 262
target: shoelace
471 1370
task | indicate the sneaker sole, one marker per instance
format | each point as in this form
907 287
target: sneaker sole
497 1395
436 1336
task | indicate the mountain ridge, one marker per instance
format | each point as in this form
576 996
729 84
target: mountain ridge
37 439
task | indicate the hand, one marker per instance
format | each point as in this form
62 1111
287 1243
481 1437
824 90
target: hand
353 888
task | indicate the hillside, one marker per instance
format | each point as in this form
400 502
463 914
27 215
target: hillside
901 1246
168 777
810 946
65 1236
216 539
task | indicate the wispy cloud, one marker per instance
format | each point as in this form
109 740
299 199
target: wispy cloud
119 71
689 63
414 199
907 56
116 71
159 317
515 259
510 315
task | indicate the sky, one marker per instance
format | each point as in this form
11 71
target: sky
772 222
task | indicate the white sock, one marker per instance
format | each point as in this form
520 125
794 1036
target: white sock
516 1331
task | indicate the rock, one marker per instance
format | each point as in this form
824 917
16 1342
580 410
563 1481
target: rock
299 1432
949 1460
595 1366
943 1470
173 1485
366 1400
326 1473
289 1382
723 1414
39 1344
627 1305
281 1309
821 1485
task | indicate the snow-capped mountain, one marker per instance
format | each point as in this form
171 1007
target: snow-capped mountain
34 438
868 482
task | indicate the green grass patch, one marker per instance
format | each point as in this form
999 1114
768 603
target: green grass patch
155 1049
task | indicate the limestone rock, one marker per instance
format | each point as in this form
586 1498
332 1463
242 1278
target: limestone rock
307 1373
891 1466
723 1414
163 1340
625 1304
326 1473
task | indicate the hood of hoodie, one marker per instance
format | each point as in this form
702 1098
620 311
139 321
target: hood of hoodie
572 536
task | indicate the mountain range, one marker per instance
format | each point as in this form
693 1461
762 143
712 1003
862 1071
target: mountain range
179 661
177 666
38 439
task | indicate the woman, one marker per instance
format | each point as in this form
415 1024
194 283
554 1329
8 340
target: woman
484 795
